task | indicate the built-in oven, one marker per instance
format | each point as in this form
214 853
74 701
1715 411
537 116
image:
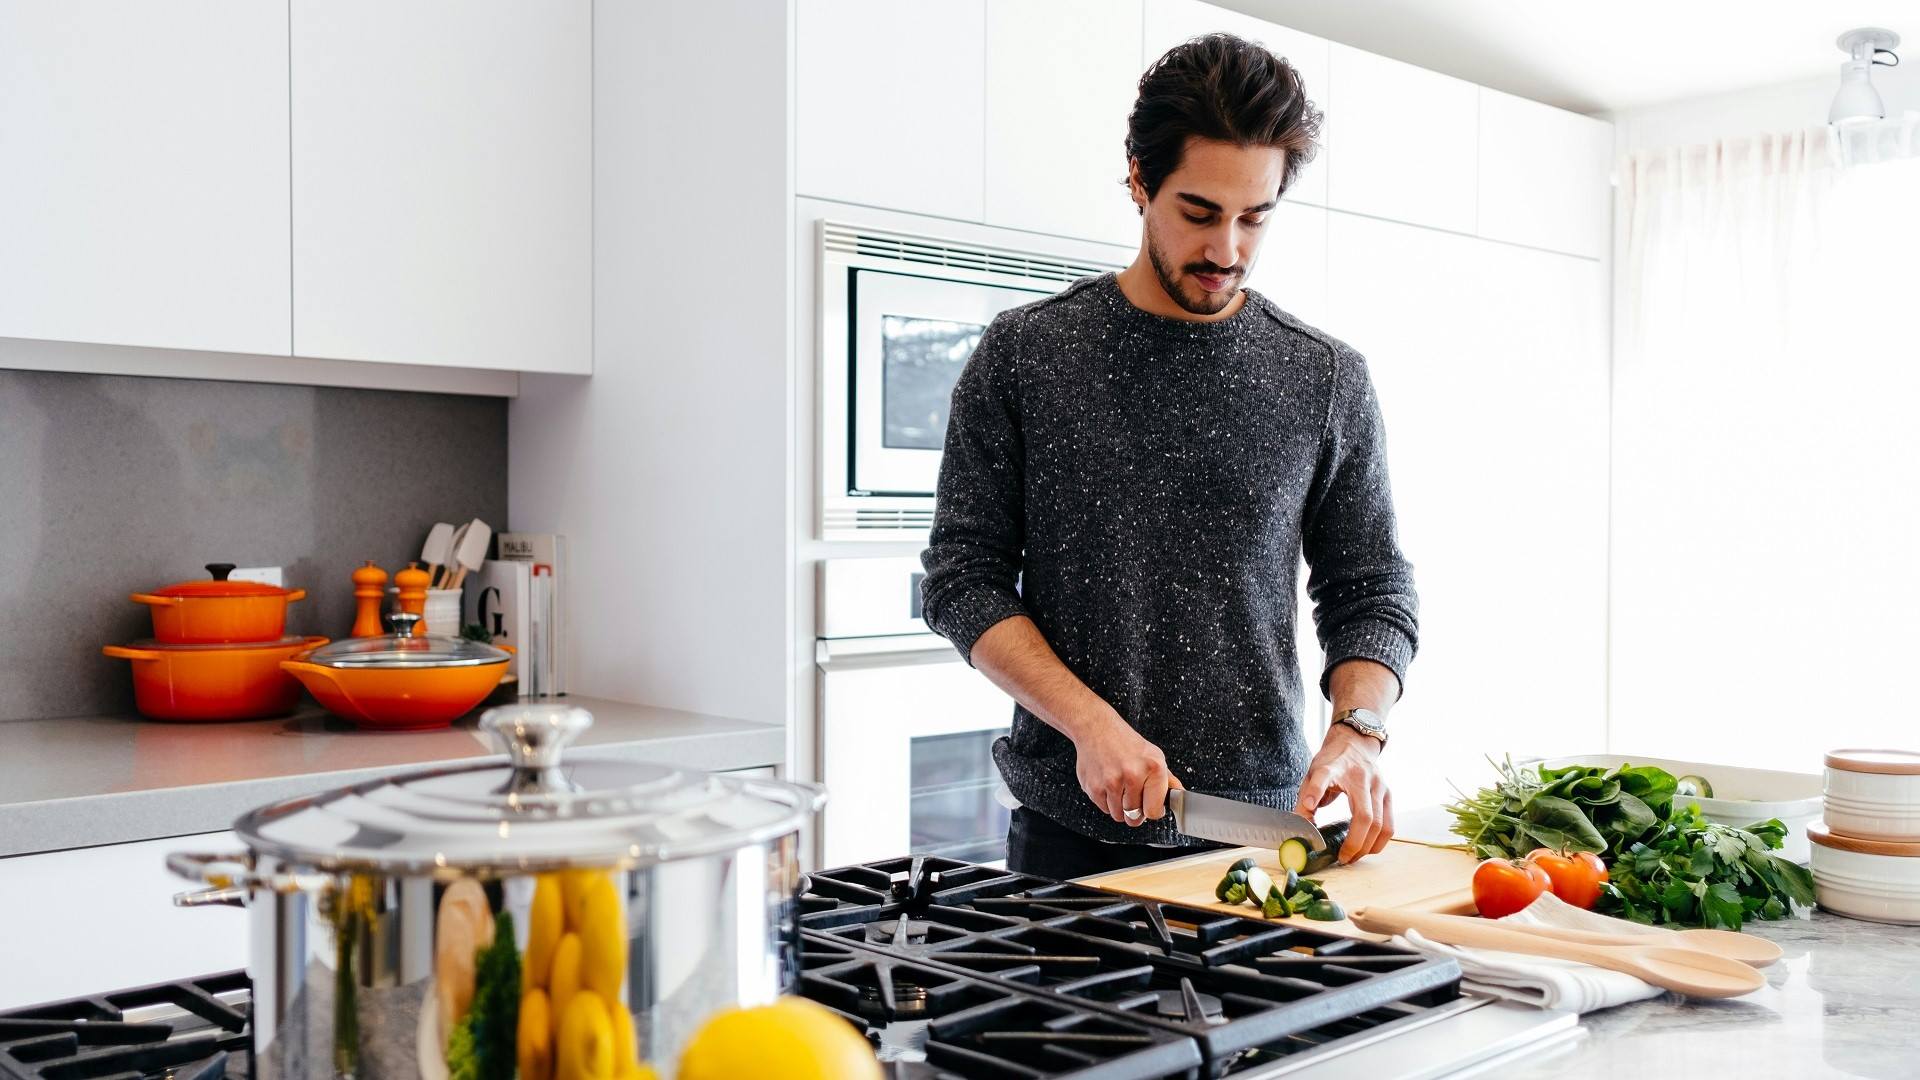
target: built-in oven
899 316
906 726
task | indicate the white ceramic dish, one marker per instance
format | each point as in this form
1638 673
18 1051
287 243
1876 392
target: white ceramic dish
1873 821
1884 779
1865 879
1740 796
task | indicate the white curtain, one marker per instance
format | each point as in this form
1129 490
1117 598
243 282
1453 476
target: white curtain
1766 448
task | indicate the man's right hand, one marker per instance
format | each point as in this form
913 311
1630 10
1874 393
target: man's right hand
1121 771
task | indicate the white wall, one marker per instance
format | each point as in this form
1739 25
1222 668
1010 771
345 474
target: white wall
668 470
1780 107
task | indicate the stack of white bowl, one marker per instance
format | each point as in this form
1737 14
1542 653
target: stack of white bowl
1866 854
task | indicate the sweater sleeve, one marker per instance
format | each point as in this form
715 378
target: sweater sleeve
1364 604
979 515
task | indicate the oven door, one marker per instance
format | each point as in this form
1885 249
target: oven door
906 752
911 336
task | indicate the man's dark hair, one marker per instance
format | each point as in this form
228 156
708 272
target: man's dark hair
1223 88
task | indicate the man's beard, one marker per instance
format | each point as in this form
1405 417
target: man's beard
1201 302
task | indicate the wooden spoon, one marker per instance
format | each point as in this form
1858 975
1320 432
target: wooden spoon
1746 948
1670 967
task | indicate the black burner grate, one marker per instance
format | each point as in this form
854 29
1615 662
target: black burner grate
190 1030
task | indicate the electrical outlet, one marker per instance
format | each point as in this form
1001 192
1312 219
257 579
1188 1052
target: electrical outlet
265 575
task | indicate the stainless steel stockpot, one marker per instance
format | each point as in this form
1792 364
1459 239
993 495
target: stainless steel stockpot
559 919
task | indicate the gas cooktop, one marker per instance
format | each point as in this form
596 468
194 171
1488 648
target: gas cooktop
981 971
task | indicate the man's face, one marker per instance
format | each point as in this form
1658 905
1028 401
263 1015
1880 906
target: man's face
1203 228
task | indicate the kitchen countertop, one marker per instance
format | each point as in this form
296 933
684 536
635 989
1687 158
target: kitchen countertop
1843 1001
81 781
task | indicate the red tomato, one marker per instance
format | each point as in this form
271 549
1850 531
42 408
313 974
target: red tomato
1574 878
1502 886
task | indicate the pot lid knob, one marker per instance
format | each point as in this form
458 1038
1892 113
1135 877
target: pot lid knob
220 570
533 736
402 623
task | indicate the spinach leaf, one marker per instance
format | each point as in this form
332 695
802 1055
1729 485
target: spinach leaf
1559 824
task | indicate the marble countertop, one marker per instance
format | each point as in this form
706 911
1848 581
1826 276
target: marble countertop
1843 1001
81 781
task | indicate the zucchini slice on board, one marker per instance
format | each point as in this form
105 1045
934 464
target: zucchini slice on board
1275 906
1326 911
1258 885
1294 855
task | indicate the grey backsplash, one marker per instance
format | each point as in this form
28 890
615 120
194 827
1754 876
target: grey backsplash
111 485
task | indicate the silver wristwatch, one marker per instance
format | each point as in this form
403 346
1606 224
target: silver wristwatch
1364 721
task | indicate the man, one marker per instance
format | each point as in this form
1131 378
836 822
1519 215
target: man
1132 470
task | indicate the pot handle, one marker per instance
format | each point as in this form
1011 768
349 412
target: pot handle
121 652
297 594
156 601
221 870
302 667
234 897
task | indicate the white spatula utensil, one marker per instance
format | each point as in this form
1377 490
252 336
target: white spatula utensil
470 550
437 552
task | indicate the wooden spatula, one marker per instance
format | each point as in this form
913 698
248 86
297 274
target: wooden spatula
1749 950
1670 967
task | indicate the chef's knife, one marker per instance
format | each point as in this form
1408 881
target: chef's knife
1229 821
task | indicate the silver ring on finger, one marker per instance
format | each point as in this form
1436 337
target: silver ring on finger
1131 815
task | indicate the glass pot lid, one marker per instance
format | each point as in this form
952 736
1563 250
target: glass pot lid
401 649
535 812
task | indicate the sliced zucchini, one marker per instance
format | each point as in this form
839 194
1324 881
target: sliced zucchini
1275 906
1335 835
1236 893
1258 885
1293 854
1695 786
1300 901
1313 886
1291 885
1220 890
1326 911
1242 864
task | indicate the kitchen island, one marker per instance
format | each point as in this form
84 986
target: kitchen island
1843 1001
83 781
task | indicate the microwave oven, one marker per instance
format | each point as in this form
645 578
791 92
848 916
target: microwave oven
899 316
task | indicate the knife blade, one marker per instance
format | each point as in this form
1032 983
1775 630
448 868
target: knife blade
1230 821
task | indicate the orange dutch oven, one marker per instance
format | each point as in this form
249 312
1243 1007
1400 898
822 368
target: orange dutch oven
213 682
399 682
215 611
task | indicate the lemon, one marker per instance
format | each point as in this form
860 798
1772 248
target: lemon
573 887
585 1046
566 979
793 1039
543 932
625 1054
603 939
534 1045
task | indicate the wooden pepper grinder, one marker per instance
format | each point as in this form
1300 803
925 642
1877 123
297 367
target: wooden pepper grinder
369 589
412 583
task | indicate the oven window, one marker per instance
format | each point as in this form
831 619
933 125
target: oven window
921 359
952 812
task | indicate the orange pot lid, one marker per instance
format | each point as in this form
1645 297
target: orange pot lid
1883 762
295 641
219 586
1819 833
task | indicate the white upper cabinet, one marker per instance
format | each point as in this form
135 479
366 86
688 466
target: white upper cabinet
442 182
143 173
1401 142
1169 22
1061 79
892 104
1544 175
1292 267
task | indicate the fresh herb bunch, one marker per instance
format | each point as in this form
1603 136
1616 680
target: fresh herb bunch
1578 808
1694 872
495 1017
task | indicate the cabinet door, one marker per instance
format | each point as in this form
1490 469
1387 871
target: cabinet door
891 104
442 182
1169 22
1401 142
143 173
1492 380
1292 267
90 920
1544 175
1061 78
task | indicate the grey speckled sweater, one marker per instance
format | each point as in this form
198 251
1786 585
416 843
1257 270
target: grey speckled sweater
1143 488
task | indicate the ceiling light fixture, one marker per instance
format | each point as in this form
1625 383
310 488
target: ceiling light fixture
1857 100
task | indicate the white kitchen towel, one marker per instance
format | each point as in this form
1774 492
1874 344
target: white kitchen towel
1545 981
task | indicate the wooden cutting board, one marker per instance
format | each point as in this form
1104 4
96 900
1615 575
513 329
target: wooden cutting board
1405 875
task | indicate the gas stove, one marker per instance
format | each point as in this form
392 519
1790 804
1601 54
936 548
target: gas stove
954 970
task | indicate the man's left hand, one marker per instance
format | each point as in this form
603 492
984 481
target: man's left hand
1349 764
